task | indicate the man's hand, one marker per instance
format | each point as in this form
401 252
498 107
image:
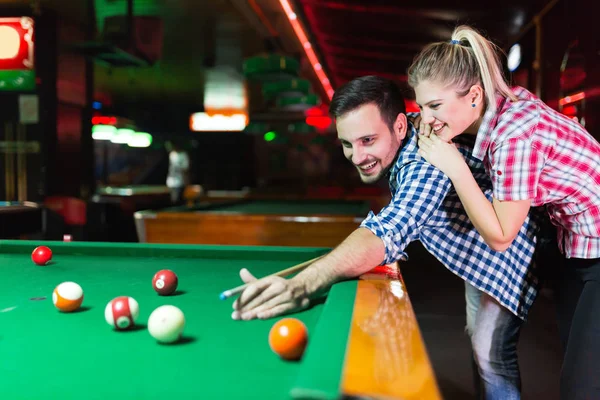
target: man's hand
269 297
273 296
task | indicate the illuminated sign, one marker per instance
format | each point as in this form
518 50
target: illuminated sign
16 54
218 121
16 43
9 43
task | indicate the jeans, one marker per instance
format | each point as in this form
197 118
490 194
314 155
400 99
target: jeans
576 285
577 292
494 333
177 195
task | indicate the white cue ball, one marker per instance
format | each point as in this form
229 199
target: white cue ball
166 324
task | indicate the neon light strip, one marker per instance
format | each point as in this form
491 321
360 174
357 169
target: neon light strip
572 99
312 57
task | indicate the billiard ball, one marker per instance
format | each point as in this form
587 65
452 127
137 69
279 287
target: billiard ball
166 324
288 338
165 282
41 255
67 296
122 312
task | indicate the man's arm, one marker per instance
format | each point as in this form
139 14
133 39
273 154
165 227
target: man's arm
357 254
382 238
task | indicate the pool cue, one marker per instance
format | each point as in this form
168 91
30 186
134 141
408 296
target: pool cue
284 272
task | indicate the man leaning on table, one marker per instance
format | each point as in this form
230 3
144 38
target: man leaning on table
381 142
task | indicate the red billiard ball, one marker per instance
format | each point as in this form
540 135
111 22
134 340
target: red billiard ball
41 255
122 312
165 282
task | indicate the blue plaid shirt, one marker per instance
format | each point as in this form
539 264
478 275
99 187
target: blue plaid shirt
425 207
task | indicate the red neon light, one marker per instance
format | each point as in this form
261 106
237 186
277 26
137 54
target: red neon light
312 57
572 99
569 110
16 43
316 111
102 120
321 122
411 106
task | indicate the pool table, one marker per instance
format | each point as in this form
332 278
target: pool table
18 219
260 222
363 336
134 197
377 197
112 209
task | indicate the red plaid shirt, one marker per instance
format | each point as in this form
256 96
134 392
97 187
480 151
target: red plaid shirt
533 152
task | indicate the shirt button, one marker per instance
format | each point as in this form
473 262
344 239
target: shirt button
499 172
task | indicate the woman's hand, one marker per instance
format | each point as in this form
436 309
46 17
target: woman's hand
442 155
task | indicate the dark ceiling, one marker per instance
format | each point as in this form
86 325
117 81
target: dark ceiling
351 37
363 37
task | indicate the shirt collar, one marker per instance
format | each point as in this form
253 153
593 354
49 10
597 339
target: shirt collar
406 153
484 133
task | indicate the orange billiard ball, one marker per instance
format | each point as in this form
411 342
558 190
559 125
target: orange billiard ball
165 282
67 296
41 255
288 338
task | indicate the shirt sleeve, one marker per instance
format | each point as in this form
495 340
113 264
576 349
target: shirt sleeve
421 190
180 160
185 161
515 169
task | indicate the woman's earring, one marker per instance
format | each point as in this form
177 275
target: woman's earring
473 105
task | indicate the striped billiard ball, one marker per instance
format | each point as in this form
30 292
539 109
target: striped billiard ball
122 312
67 296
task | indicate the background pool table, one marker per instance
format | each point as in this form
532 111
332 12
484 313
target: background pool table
18 219
377 196
135 197
112 208
311 223
356 347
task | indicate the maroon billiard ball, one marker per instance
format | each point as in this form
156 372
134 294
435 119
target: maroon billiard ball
41 255
165 282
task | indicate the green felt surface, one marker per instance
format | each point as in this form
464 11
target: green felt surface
49 354
356 208
321 369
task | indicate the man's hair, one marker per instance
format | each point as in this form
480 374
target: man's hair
381 92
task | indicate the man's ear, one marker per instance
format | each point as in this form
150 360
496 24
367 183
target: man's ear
400 126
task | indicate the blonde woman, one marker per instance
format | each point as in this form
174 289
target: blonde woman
535 156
